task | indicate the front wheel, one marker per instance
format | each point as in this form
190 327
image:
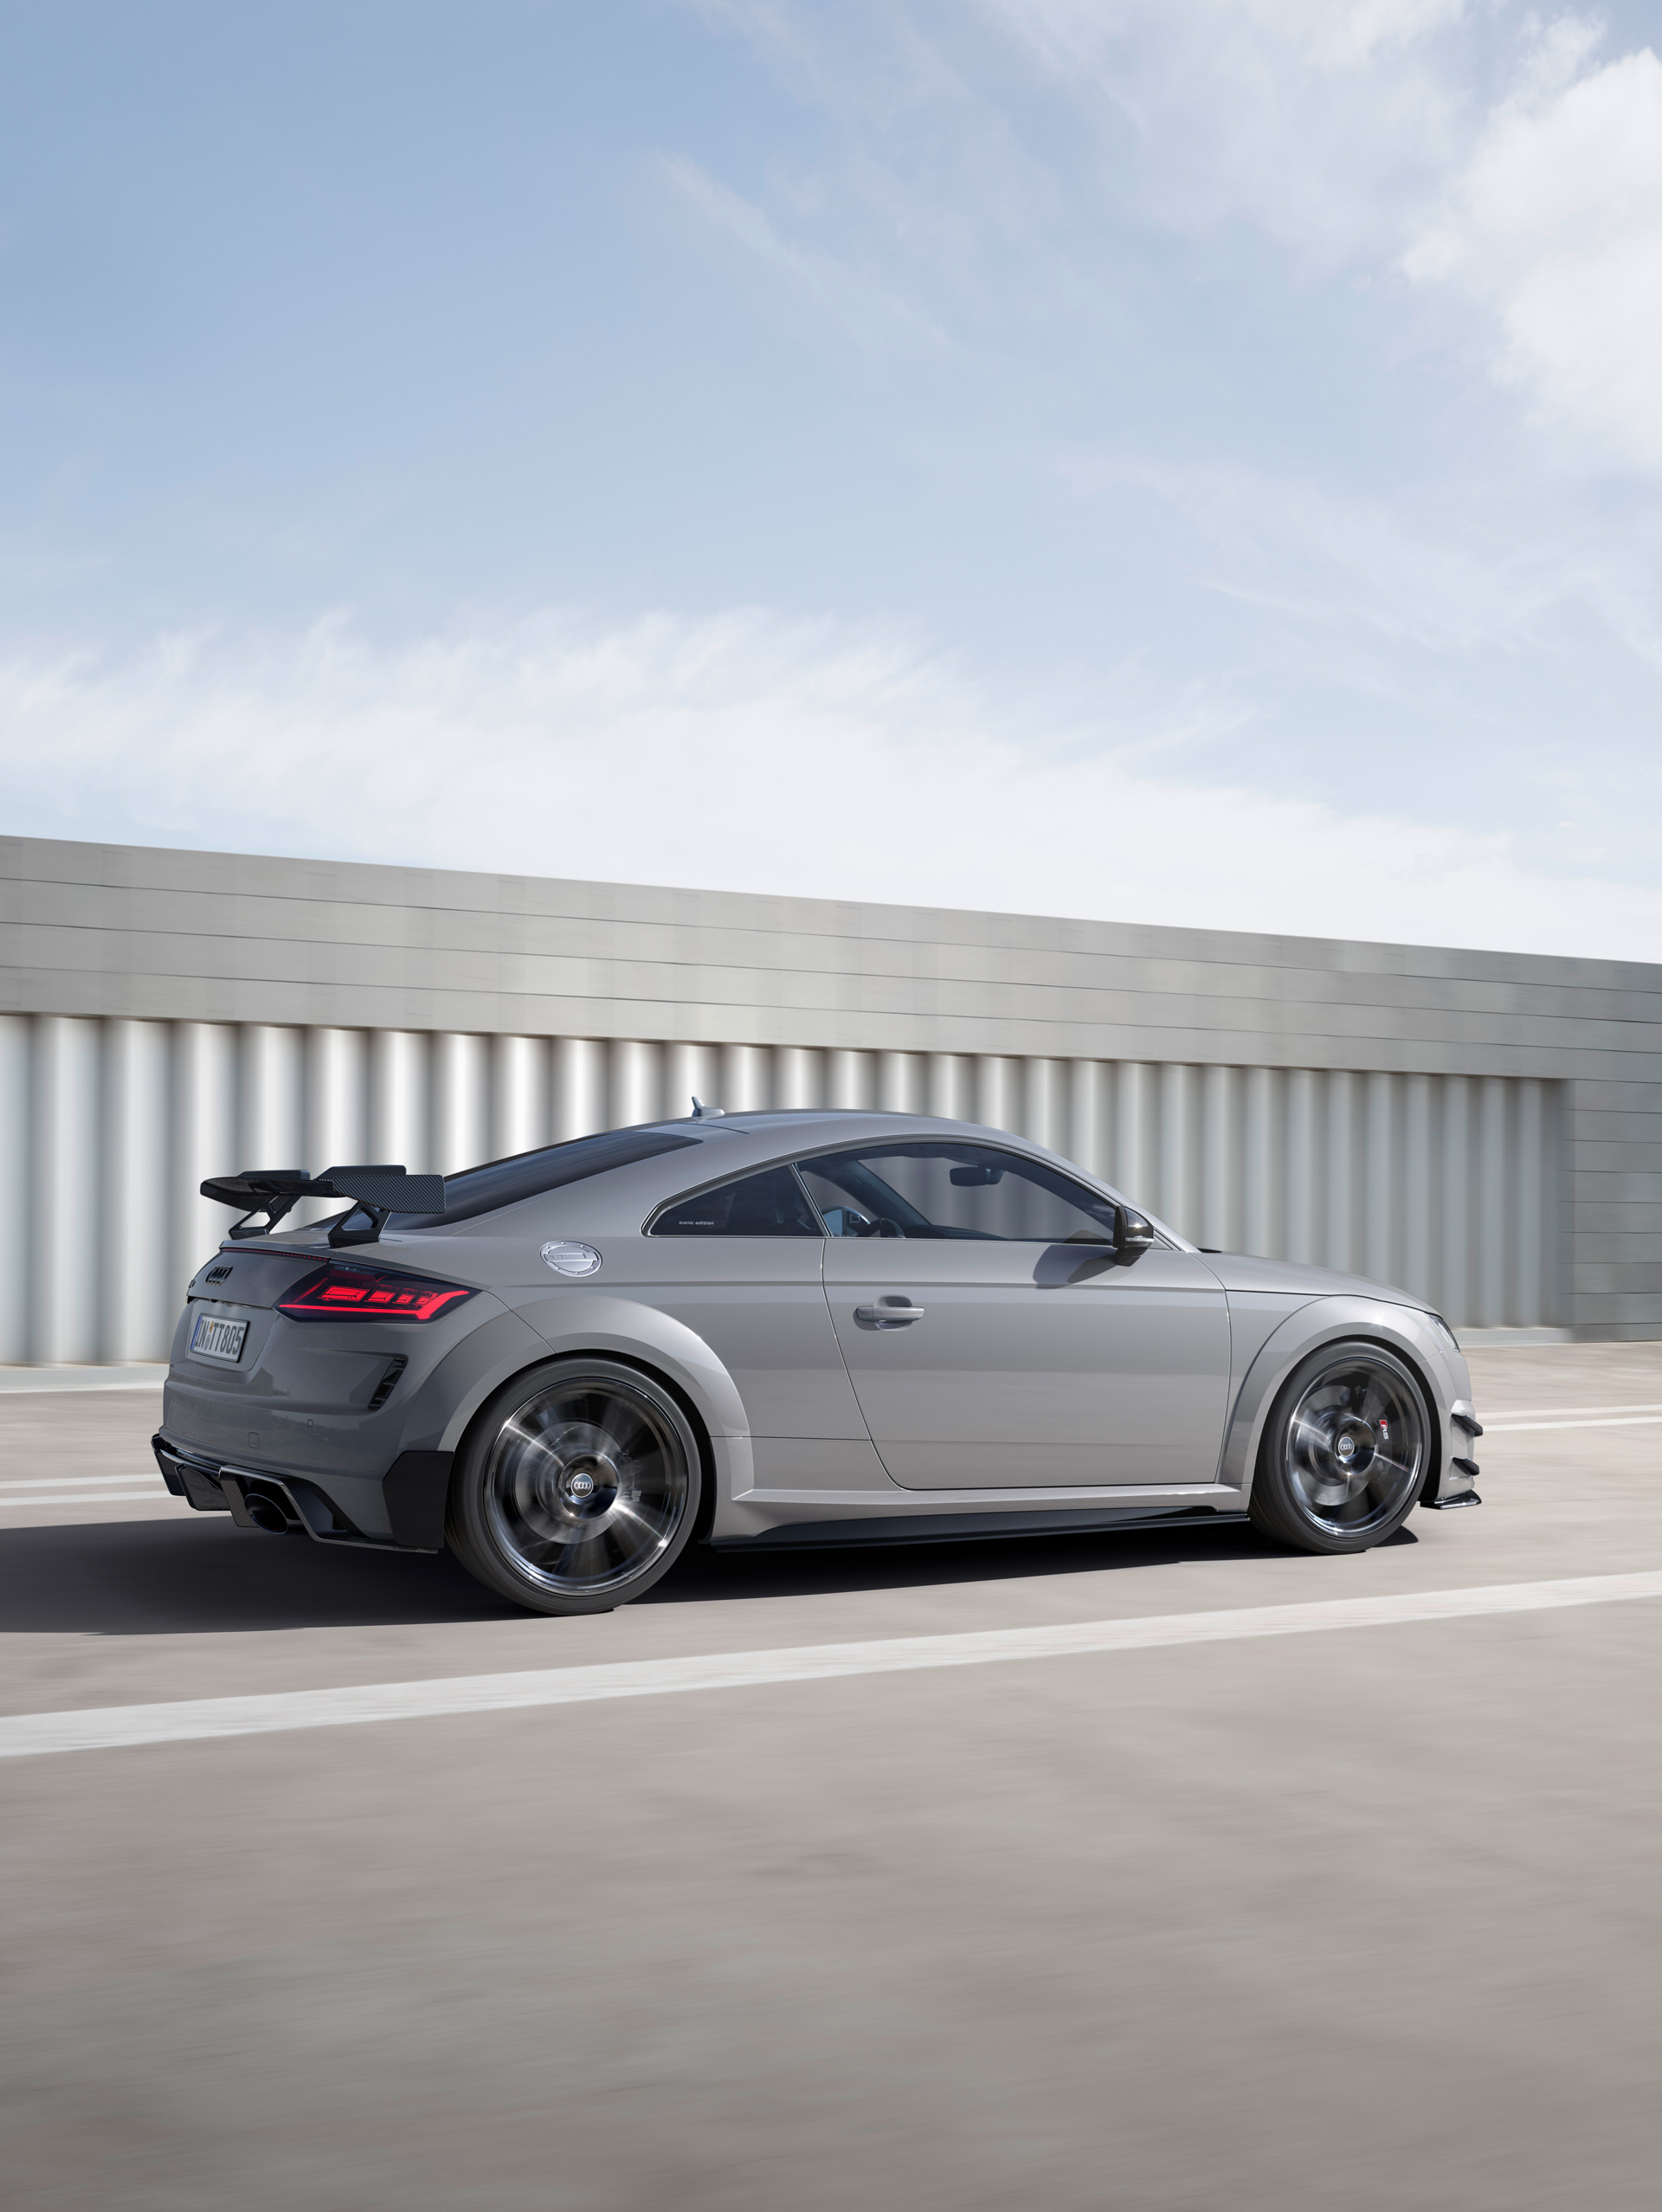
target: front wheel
1345 1451
577 1489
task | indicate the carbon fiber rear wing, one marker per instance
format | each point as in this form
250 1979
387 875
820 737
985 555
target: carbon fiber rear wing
376 1191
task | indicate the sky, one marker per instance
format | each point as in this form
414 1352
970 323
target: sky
1172 461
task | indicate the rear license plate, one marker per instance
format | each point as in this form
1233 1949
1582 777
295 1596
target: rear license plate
213 1338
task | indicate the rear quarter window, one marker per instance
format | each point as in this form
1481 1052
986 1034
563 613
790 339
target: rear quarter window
772 1203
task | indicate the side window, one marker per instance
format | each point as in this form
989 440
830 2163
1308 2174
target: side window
954 1190
769 1204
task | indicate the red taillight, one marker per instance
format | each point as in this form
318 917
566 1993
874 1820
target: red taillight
336 1292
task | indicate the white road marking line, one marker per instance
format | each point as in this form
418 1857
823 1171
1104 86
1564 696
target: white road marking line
26 1735
1523 1427
71 1481
85 1497
1550 1412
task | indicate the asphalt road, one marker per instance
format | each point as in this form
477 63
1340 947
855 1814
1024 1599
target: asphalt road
1367 1919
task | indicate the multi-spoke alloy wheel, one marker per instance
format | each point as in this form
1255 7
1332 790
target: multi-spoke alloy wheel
1345 1451
577 1489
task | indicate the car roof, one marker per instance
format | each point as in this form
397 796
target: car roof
793 1120
783 1132
758 1139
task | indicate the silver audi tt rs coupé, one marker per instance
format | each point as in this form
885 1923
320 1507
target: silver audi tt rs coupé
763 1329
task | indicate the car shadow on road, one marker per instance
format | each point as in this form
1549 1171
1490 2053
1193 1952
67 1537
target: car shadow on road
157 1579
208 1577
706 1576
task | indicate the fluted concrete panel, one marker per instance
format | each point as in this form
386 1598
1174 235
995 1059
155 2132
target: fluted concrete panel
851 1083
746 1086
690 1071
636 1083
1088 1126
1457 1194
399 1098
1263 1178
1528 1275
1044 1103
998 1091
17 1175
1381 1181
1339 1240
899 1082
270 1097
1177 1141
204 1132
1491 1222
1419 1192
1222 1135
798 1081
337 1096
68 1191
520 1115
950 1086
1304 1166
460 1102
1135 1111
579 1087
136 1289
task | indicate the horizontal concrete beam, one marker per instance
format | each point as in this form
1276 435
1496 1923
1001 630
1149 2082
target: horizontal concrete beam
113 931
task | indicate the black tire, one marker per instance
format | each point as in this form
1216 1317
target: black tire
577 1488
1345 1451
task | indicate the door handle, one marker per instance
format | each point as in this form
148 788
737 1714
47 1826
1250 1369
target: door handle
892 1313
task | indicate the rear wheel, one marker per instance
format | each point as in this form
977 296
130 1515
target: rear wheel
577 1489
1345 1451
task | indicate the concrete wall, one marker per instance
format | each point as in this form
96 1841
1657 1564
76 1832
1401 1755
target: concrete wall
1485 1128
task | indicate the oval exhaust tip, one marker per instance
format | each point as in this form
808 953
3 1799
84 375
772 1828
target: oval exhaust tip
266 1513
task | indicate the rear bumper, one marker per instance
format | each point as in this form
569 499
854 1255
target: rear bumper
412 1494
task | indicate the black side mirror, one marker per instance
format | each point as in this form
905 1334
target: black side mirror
1133 1233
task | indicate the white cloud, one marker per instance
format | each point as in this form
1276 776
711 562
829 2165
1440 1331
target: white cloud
1470 147
1372 25
878 319
739 751
1556 226
1322 124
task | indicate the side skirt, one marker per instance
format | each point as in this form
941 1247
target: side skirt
968 1528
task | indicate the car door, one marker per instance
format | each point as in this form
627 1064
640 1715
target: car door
740 1264
992 1339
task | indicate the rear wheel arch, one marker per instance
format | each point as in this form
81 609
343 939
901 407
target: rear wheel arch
569 1488
683 1398
696 1421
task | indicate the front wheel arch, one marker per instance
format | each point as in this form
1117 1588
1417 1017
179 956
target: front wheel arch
1269 1394
1279 1498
